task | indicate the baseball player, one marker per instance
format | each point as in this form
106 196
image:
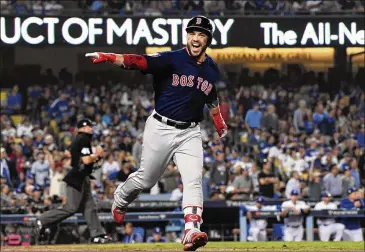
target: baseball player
293 210
353 231
328 226
184 82
257 231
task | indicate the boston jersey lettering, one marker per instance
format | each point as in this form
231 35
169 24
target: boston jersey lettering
195 83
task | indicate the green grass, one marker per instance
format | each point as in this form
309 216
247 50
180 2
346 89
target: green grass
214 246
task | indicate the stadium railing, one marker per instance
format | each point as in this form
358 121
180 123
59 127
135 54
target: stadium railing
179 215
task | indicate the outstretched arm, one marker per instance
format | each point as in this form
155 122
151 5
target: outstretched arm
127 61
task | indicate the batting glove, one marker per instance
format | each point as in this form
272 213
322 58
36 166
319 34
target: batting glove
100 57
220 125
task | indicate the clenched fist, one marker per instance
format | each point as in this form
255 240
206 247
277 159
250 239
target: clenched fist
100 57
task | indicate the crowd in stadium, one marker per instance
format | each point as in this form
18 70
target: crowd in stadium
304 138
157 8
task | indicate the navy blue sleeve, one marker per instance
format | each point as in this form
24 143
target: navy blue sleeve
212 97
158 62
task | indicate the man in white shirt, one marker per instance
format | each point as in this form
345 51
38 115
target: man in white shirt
110 166
328 226
257 231
292 184
293 211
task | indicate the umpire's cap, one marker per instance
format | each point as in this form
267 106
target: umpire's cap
203 24
84 122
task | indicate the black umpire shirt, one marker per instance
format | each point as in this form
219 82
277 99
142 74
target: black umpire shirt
80 147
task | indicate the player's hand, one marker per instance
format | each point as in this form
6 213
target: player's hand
100 57
357 203
220 125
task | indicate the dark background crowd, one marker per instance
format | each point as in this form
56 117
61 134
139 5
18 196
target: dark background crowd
168 7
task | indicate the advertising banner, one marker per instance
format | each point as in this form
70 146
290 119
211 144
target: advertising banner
253 31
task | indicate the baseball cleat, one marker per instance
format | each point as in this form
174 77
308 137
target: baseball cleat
198 239
118 213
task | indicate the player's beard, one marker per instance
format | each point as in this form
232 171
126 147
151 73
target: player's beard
200 53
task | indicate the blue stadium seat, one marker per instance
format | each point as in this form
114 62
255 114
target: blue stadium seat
277 232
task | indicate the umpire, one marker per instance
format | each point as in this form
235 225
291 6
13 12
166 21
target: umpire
78 192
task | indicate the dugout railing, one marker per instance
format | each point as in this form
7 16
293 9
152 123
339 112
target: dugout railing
138 217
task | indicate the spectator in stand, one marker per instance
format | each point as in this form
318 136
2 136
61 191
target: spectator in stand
270 120
7 169
298 118
347 180
57 186
267 180
176 194
137 150
110 167
253 117
59 107
14 101
130 236
355 172
125 171
20 162
293 184
170 177
242 186
41 167
156 236
333 182
219 173
194 5
24 128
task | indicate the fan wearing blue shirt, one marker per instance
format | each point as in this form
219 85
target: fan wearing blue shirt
353 231
156 236
130 236
253 117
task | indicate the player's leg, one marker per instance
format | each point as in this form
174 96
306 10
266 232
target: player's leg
324 233
299 232
357 235
56 215
347 235
189 160
158 140
254 233
337 229
263 235
288 234
96 230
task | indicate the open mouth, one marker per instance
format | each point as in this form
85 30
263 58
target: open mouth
196 47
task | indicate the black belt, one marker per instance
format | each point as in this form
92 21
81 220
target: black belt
178 125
